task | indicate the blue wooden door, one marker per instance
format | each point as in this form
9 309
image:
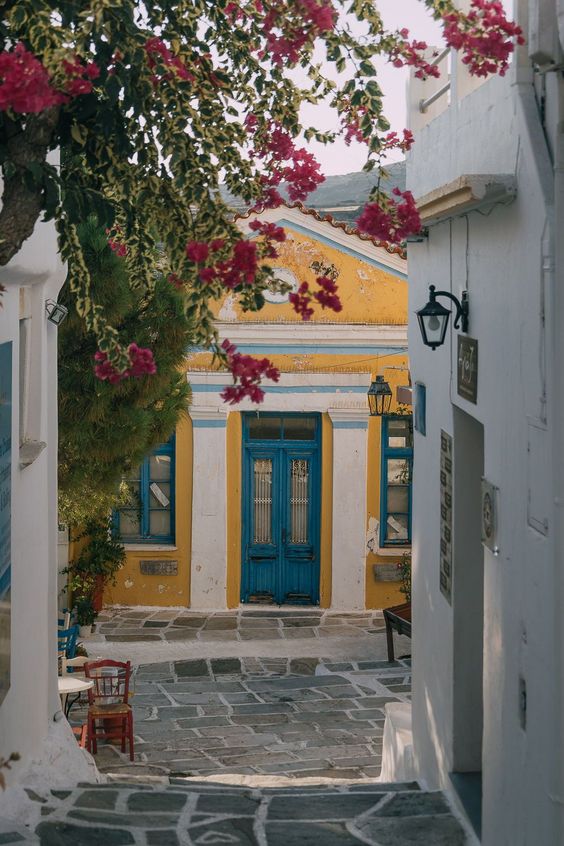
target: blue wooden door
281 509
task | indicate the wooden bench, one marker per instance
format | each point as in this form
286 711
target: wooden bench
397 618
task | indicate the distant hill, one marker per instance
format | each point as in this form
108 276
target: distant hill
349 190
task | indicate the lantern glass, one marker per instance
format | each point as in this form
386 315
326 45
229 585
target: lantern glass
433 322
379 397
56 312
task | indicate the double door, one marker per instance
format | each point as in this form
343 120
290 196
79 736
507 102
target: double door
281 506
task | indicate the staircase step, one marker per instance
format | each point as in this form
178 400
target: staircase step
119 814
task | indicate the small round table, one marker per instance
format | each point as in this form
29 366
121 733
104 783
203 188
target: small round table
67 685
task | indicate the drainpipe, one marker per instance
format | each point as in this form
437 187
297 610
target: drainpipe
558 451
540 20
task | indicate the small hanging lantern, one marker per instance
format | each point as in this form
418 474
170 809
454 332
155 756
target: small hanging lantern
433 317
379 397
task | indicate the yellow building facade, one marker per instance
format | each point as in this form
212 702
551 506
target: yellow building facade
304 499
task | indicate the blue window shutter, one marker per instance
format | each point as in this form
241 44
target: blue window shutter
145 535
388 452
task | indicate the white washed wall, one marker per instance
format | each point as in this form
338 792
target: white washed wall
26 715
487 133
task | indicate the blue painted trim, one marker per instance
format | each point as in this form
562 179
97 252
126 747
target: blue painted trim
168 448
313 349
210 424
280 452
287 389
5 582
315 236
387 453
350 424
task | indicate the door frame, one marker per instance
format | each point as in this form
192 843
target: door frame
314 449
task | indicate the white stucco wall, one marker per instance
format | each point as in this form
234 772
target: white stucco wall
340 395
28 709
510 297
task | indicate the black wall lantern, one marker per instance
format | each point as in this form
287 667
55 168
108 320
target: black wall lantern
433 318
56 312
379 397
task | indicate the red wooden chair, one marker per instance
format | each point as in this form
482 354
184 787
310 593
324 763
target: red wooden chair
81 734
109 713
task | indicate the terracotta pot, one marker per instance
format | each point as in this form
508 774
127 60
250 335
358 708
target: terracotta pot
98 594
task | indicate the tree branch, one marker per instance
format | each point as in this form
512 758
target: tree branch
22 204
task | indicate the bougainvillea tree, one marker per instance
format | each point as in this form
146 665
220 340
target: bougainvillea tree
154 105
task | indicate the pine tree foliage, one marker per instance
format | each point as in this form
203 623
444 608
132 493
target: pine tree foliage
104 429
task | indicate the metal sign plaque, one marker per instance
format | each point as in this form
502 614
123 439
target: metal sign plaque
489 516
445 573
158 568
467 382
5 514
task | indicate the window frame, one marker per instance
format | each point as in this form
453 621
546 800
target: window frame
388 452
145 537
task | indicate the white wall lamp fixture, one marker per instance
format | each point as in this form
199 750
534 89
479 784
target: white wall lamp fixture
379 397
56 312
433 317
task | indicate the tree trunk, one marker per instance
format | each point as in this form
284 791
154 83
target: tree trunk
21 203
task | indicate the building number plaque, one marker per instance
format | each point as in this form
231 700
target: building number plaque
446 516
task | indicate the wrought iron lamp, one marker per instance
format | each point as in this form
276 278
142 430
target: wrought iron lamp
433 317
379 397
56 312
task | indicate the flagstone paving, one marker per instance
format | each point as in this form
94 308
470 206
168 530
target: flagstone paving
203 814
241 743
153 634
289 717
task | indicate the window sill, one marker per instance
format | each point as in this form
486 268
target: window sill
145 547
29 451
390 551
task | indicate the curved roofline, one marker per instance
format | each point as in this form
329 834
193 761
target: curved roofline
393 249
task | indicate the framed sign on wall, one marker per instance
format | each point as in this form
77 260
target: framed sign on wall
5 514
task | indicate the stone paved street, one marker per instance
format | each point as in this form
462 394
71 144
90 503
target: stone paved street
290 717
202 814
252 728
255 702
154 634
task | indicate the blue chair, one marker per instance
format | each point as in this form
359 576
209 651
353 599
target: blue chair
66 641
63 622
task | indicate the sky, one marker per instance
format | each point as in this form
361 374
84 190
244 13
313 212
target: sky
337 158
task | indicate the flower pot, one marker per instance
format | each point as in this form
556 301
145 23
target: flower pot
84 631
98 594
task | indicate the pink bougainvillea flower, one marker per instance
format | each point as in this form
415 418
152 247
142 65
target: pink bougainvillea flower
158 52
247 374
79 76
485 37
270 230
197 251
390 220
412 54
303 299
284 161
25 85
289 26
115 241
141 363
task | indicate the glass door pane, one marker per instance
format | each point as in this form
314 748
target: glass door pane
299 500
262 500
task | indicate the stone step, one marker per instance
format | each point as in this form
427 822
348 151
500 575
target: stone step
119 814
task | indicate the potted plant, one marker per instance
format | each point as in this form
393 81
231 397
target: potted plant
404 567
96 565
85 615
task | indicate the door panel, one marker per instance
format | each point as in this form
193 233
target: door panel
262 546
281 506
